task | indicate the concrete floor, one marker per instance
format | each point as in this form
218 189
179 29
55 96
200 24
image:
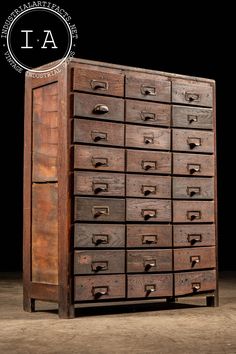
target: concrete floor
181 328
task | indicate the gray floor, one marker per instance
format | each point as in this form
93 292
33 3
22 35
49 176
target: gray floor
179 329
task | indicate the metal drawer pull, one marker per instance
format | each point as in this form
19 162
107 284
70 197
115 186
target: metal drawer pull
99 187
146 190
148 264
99 291
102 85
100 211
194 238
148 139
97 136
196 286
192 118
194 142
149 239
99 161
149 165
192 191
101 109
194 260
193 168
150 288
99 266
148 90
194 215
149 213
98 239
148 116
190 97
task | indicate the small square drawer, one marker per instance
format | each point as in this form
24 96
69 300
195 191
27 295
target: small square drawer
149 261
98 107
192 140
199 94
141 112
148 186
150 285
194 282
148 210
193 164
197 211
97 262
147 137
92 183
101 287
192 117
194 258
193 188
149 236
194 235
104 82
148 161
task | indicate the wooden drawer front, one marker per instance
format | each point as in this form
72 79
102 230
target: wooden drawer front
148 186
150 285
193 164
107 82
149 261
139 112
94 132
101 287
193 188
99 209
148 210
194 258
192 94
92 183
99 235
148 161
192 140
149 236
190 117
147 137
99 158
98 107
194 235
197 211
147 87
97 262
194 282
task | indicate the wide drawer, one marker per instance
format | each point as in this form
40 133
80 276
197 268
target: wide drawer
192 117
98 107
149 261
93 183
148 186
197 211
150 285
148 161
199 94
147 137
194 258
194 235
193 188
149 236
193 164
99 209
148 210
194 282
192 140
101 287
99 158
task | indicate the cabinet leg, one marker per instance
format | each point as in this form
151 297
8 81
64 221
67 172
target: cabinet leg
212 300
171 300
29 304
66 311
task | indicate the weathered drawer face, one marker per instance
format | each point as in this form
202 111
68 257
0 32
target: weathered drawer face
147 113
197 211
99 158
99 209
101 287
198 94
108 82
148 186
149 261
193 164
147 87
94 132
150 285
194 282
194 235
148 161
147 137
194 258
192 140
148 210
149 236
92 183
192 117
98 107
193 188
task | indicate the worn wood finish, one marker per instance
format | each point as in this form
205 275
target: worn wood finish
193 188
147 137
192 117
149 236
148 186
148 161
192 140
196 211
194 282
194 235
150 285
148 210
193 164
47 292
194 258
149 261
198 94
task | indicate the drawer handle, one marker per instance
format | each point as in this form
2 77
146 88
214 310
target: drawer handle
148 213
149 239
192 191
194 142
99 266
150 288
194 238
99 239
196 286
99 85
148 90
148 264
146 116
101 109
100 211
99 291
149 165
192 118
99 161
99 187
192 97
146 190
148 139
194 260
97 136
193 168
194 215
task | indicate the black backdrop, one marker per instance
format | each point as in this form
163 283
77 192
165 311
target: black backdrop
187 39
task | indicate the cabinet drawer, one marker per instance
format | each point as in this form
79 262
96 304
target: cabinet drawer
147 137
194 282
148 210
99 158
107 82
96 262
149 261
192 140
99 235
149 236
139 112
150 285
148 161
190 117
98 107
194 258
197 211
194 235
199 94
193 188
147 87
99 209
193 164
94 132
101 287
148 186
92 183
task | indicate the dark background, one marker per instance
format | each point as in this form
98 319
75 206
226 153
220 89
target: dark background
188 39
